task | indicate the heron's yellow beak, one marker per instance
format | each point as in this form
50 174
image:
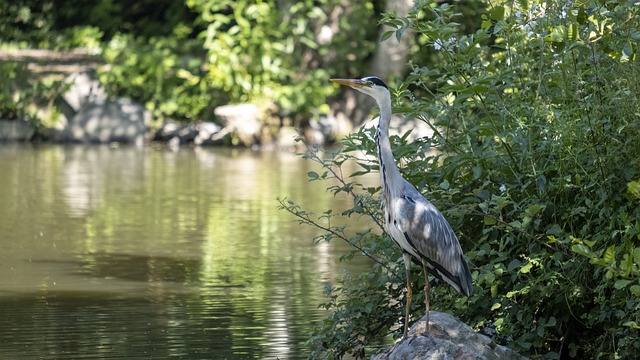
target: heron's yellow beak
354 83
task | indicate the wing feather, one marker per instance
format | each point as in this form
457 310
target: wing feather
431 238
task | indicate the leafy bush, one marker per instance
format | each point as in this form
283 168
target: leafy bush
9 71
25 22
272 50
184 58
23 98
165 73
241 51
535 119
368 307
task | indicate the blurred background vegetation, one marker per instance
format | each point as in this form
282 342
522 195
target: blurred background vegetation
184 58
534 107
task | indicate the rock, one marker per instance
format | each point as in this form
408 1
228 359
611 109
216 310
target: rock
57 128
323 130
286 137
449 339
167 132
180 133
15 130
243 120
187 133
83 89
198 134
206 131
174 143
121 120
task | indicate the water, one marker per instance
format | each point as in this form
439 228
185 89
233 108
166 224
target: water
149 253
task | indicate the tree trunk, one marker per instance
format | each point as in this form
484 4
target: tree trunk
391 55
351 108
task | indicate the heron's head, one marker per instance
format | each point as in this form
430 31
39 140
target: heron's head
370 85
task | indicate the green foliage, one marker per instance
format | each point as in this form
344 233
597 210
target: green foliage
25 22
270 50
9 71
182 59
60 24
540 144
166 73
139 18
80 37
239 51
21 98
535 119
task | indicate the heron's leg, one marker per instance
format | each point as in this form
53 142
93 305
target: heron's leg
427 293
407 265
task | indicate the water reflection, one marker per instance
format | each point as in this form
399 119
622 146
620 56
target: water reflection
147 253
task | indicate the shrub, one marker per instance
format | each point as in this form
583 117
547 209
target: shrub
535 129
272 50
165 73
241 51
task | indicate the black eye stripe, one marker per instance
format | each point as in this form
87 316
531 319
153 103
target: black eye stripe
371 80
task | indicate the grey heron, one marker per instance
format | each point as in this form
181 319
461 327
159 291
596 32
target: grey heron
412 221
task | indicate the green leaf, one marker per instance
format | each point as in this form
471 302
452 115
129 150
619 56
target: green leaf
554 230
399 33
516 224
631 324
396 23
620 284
633 188
582 249
573 32
313 175
474 89
534 209
477 172
499 26
609 255
582 16
526 269
551 322
386 35
636 256
497 13
489 220
557 35
514 264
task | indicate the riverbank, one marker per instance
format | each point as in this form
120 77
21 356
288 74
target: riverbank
57 97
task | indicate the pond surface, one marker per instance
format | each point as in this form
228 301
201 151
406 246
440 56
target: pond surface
150 253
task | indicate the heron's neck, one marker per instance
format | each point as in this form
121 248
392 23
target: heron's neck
389 173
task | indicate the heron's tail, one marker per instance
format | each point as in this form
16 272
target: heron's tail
466 287
460 281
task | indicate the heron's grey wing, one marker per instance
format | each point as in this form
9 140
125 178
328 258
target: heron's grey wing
432 239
